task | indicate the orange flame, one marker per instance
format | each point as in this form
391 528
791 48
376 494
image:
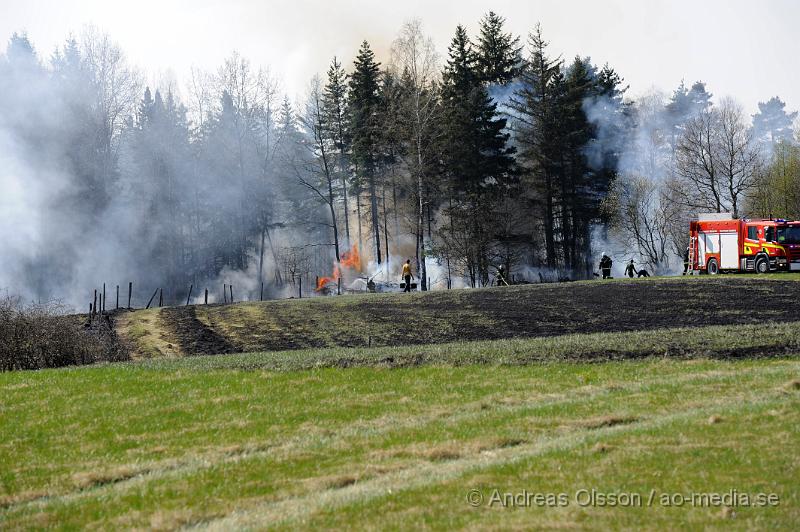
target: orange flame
349 259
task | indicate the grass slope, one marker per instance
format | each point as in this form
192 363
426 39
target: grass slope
461 315
247 441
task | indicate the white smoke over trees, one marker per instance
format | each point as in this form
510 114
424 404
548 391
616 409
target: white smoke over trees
105 181
487 161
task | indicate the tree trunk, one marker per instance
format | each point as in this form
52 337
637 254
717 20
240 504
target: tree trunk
550 243
385 228
261 257
344 199
358 214
421 267
376 228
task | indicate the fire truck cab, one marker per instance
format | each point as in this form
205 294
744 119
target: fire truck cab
788 236
718 242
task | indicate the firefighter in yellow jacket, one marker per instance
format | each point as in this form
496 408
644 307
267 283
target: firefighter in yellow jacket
407 275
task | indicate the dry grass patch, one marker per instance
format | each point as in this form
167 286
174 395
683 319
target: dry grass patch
7 501
607 421
602 448
175 519
443 453
505 442
145 335
90 479
341 481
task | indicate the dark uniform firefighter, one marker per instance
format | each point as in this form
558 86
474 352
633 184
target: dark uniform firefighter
501 276
605 266
407 275
630 270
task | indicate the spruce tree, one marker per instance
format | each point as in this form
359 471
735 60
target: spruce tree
334 100
364 103
475 153
580 186
538 135
498 52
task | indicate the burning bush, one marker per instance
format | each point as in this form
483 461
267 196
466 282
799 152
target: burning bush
44 336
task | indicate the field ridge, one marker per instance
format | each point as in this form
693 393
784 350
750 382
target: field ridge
377 320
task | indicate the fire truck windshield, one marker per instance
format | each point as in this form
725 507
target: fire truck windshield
789 234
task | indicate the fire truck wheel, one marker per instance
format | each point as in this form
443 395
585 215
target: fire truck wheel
762 265
712 268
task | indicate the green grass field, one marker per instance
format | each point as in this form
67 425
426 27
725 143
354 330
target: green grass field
247 441
399 437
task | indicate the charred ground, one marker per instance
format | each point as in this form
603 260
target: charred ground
462 315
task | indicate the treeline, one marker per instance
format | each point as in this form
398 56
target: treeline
498 153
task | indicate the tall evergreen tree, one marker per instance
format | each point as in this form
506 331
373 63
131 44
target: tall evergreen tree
334 100
685 104
498 53
364 104
772 122
538 134
478 162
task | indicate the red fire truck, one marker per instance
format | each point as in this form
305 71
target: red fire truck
719 243
789 237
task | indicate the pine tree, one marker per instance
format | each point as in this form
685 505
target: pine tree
772 122
498 53
699 97
334 100
685 104
364 103
537 129
478 162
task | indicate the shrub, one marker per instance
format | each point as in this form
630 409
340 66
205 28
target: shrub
34 336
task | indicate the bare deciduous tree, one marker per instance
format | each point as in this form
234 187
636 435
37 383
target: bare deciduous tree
319 177
717 160
414 59
640 217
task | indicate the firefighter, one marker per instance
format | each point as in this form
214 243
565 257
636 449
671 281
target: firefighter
501 276
630 269
605 266
407 276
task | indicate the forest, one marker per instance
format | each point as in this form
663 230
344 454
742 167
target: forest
498 152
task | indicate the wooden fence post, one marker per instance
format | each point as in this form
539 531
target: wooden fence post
116 307
160 297
94 304
151 299
231 288
206 300
224 293
130 292
103 306
190 294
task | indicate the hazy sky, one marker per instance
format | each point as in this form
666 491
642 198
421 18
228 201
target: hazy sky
745 48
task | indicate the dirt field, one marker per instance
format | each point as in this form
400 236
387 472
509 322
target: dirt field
461 315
